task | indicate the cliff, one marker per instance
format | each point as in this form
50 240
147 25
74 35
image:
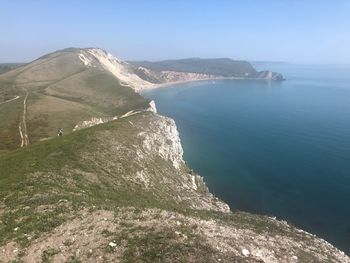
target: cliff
201 69
269 75
121 191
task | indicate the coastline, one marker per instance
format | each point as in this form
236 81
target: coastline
167 84
153 86
282 220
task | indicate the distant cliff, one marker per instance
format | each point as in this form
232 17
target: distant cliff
205 68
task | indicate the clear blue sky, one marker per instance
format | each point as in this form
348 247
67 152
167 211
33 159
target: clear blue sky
300 31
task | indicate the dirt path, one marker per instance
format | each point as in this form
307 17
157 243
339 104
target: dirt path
22 123
15 98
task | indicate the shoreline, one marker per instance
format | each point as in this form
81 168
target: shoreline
283 220
167 84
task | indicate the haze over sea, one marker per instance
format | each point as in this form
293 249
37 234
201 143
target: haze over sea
276 148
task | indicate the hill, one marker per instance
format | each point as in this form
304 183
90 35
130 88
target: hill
59 90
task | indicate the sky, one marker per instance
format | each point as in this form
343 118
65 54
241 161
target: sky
296 31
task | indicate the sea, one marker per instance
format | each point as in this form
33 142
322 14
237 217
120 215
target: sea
275 148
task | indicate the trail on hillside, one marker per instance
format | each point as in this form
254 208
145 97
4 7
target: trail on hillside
22 123
15 98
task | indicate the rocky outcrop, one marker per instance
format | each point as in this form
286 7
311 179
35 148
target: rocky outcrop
157 161
166 76
269 75
99 120
120 69
164 141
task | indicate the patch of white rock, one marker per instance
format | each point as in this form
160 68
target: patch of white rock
120 69
85 60
164 141
99 120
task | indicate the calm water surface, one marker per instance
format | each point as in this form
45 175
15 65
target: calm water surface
281 149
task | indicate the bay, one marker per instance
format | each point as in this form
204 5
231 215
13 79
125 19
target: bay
275 148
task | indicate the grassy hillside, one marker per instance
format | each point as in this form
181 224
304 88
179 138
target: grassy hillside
61 91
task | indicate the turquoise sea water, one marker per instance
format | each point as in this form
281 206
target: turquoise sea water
281 149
